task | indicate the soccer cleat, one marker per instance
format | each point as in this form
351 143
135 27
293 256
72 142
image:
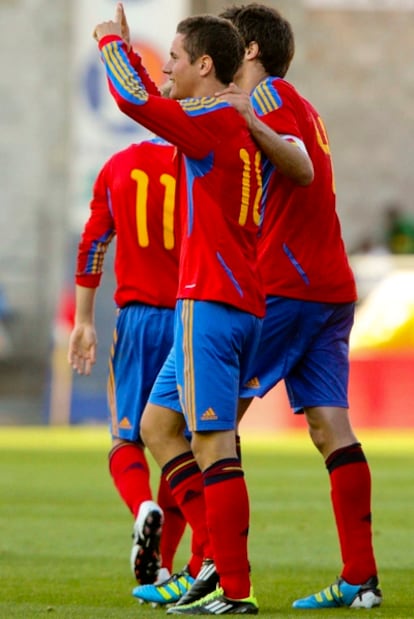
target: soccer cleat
163 575
216 603
167 592
206 581
341 593
145 553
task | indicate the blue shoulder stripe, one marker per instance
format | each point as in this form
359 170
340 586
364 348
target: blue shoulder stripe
155 139
265 97
123 77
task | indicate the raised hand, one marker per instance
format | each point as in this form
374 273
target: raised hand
120 16
118 27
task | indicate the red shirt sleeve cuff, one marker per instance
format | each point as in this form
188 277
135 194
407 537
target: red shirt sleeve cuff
90 280
108 39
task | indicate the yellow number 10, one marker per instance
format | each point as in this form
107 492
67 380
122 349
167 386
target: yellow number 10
247 165
322 139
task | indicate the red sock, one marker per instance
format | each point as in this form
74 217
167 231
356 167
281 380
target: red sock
130 473
186 484
227 509
174 524
351 499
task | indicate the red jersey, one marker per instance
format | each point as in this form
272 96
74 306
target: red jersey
218 184
133 197
301 249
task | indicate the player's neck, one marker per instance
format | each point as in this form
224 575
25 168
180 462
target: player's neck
208 87
251 76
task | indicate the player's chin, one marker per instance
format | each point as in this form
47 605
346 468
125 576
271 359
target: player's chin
174 91
179 92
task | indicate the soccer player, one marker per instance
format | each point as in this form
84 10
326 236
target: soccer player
133 198
310 295
220 301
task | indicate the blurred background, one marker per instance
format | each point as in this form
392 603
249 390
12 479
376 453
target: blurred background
354 61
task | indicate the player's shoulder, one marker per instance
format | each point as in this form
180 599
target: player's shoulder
274 92
147 147
271 93
155 140
197 106
152 146
120 155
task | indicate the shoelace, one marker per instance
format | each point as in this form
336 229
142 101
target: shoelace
333 591
173 578
207 598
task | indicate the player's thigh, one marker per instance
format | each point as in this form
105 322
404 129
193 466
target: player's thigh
163 433
164 392
334 421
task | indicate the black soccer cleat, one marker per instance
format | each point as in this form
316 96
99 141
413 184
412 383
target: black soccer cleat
206 581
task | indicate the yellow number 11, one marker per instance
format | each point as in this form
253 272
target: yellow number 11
141 205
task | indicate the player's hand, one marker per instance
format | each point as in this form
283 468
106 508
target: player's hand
240 100
120 16
112 27
82 348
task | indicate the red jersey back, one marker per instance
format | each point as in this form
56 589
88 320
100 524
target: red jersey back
301 250
134 198
219 185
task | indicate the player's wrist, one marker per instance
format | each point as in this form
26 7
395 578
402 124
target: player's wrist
108 38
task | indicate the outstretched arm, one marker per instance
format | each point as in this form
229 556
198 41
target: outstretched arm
289 159
165 117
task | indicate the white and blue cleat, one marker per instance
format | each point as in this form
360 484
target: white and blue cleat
342 593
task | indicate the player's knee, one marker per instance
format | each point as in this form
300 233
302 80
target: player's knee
329 428
210 447
320 431
319 438
148 430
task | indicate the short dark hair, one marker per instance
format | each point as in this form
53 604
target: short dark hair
272 33
218 38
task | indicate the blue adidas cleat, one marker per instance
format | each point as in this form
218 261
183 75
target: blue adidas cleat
168 592
341 593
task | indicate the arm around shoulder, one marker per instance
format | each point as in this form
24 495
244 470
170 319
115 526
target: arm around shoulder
289 159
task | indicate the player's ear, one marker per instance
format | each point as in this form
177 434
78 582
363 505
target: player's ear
252 50
205 65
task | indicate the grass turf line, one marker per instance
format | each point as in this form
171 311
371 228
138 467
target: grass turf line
64 551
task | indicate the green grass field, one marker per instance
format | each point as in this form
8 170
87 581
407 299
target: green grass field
65 536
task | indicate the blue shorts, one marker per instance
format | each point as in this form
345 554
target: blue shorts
142 339
306 344
214 347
